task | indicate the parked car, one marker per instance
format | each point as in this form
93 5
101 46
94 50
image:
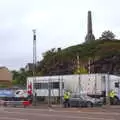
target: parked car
77 100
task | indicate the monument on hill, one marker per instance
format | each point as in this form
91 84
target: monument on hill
89 37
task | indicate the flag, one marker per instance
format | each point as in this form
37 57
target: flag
30 89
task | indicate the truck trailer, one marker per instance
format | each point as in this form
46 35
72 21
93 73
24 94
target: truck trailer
90 84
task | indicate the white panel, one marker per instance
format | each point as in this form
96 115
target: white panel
71 82
44 92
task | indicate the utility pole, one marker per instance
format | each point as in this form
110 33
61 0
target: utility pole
95 87
34 67
107 90
78 67
49 93
78 62
89 66
61 90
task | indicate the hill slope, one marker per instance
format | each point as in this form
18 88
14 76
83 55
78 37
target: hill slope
104 55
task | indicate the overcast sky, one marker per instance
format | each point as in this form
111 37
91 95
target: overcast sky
59 23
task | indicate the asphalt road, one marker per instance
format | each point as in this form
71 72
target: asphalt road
57 114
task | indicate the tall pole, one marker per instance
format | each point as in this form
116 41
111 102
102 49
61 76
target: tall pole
34 67
78 62
49 93
107 90
89 66
78 66
61 90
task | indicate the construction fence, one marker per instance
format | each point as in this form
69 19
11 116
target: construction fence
50 89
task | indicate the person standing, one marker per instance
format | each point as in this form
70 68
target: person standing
112 96
66 99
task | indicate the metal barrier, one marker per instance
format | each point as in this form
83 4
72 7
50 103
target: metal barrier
15 103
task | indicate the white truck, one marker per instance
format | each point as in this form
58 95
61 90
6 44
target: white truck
91 84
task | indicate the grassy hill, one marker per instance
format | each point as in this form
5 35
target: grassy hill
104 56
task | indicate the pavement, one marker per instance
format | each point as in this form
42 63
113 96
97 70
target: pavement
10 113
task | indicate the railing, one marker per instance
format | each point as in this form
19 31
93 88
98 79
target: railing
15 103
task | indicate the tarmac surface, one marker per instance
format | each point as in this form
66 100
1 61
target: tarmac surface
11 113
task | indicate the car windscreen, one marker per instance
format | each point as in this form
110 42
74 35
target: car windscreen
85 97
76 96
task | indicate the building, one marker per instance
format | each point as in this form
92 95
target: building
5 77
29 67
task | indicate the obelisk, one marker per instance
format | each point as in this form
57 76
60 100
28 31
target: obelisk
89 37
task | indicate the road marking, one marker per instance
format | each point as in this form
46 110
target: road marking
11 118
67 111
60 116
100 113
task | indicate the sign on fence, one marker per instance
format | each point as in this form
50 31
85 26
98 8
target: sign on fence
6 93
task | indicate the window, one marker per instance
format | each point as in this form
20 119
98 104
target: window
117 84
41 85
63 85
36 85
53 85
17 92
76 96
56 85
44 85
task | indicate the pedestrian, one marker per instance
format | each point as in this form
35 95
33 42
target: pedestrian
112 96
66 99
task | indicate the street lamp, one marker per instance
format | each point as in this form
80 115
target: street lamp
34 66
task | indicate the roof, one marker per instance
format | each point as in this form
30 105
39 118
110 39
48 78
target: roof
5 74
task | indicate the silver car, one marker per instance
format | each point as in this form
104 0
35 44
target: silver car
77 100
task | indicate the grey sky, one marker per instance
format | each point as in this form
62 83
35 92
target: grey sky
59 23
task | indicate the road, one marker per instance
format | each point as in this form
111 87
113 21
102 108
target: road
56 114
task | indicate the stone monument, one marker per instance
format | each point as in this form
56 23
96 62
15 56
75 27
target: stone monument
89 37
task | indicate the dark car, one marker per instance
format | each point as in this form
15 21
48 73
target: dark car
84 101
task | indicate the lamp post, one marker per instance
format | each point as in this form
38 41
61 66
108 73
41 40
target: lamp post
34 67
79 77
108 90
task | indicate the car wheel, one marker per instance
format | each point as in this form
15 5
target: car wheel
79 104
89 104
115 101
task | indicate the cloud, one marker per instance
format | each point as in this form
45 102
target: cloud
59 23
37 19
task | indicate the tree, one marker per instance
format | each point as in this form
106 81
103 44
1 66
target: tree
97 50
19 77
15 82
107 35
49 52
